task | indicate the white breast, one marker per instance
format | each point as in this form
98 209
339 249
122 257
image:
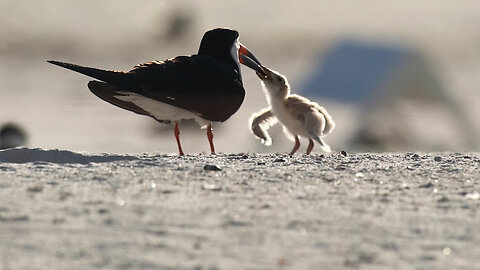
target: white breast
288 119
162 111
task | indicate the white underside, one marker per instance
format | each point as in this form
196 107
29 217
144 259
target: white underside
312 127
162 111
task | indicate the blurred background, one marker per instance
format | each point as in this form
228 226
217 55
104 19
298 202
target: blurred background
395 75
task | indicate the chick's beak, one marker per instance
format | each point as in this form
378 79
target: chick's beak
264 74
247 58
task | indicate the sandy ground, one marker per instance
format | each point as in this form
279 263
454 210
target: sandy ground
75 210
66 210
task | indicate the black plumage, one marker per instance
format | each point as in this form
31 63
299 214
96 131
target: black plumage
208 84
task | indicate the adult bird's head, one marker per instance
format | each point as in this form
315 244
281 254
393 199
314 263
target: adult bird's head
223 44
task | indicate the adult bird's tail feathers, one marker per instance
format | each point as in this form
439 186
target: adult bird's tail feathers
109 76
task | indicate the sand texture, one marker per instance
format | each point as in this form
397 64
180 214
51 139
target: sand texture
66 210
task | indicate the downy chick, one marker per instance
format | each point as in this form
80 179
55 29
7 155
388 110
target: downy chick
298 115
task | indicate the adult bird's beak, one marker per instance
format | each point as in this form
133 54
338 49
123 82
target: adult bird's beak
248 59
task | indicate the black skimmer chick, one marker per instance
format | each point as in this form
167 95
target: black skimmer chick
299 116
206 86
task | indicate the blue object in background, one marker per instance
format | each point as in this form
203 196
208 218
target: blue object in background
353 72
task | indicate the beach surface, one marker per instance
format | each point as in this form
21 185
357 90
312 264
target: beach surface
69 210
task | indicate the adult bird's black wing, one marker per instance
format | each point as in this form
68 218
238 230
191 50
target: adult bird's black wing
200 84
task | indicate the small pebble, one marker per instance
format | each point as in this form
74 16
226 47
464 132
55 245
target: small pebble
473 196
35 188
211 187
427 185
102 211
343 153
210 167
443 199
58 220
437 158
265 206
359 175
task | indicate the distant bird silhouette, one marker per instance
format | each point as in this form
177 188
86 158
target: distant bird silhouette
11 135
206 86
298 115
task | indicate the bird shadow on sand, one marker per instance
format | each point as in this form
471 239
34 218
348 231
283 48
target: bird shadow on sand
26 155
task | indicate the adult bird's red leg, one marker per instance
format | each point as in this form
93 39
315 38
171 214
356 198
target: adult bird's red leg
310 146
176 131
297 145
210 138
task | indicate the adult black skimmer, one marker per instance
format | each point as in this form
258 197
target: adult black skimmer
299 116
206 86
